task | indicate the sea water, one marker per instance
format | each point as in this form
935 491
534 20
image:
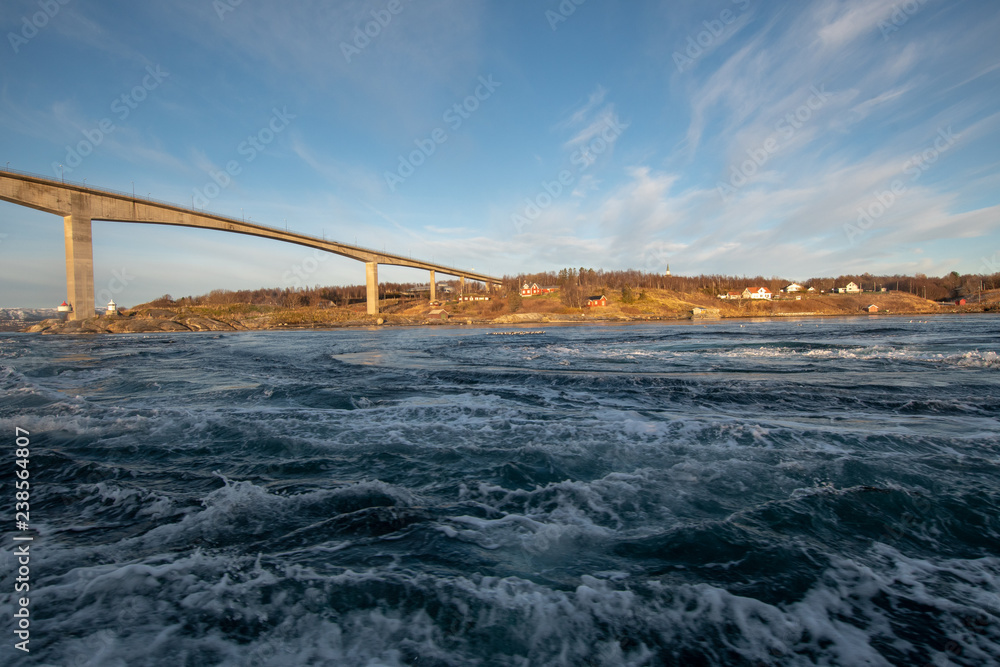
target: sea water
819 491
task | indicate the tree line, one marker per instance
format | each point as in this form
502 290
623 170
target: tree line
575 285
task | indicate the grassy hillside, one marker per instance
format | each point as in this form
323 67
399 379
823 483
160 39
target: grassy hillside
649 304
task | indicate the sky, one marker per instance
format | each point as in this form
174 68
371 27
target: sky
741 137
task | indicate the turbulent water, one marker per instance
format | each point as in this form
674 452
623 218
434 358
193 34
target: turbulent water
734 493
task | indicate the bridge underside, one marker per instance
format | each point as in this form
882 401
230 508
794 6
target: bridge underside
79 206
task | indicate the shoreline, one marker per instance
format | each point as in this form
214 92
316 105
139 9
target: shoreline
542 320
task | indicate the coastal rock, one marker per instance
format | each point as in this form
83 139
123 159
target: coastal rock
156 313
205 324
88 326
137 325
520 317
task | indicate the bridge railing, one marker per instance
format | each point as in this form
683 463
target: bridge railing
153 200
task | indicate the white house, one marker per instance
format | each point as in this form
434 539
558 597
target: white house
756 293
851 288
794 287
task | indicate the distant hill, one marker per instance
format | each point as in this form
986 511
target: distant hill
14 319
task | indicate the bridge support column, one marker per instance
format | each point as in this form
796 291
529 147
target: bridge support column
461 284
79 258
371 278
434 287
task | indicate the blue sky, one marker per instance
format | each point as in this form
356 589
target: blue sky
804 139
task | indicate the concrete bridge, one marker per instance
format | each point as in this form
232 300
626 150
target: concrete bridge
78 205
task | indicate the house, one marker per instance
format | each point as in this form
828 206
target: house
811 289
533 289
597 301
473 297
734 295
871 309
756 293
794 287
851 288
438 314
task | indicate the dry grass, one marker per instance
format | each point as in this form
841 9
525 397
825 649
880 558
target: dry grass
649 304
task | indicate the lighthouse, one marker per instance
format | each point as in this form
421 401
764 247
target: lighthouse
112 307
63 311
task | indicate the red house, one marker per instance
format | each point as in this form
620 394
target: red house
533 289
597 301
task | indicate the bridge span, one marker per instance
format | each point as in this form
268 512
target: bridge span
79 205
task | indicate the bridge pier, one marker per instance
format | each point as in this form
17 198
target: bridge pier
461 285
433 287
79 258
371 278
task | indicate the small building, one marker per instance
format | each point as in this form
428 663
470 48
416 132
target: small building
756 293
473 297
871 309
732 296
534 290
63 311
438 314
597 301
960 302
794 287
811 289
850 288
112 307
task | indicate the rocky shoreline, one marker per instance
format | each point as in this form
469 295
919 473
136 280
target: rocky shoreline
180 323
662 306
